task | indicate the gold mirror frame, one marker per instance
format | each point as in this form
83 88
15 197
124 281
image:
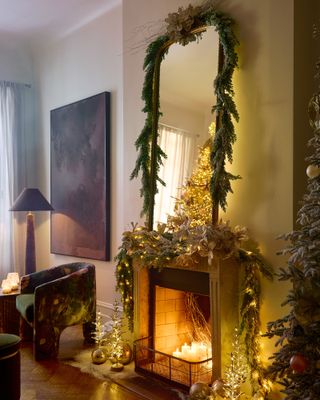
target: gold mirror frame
183 27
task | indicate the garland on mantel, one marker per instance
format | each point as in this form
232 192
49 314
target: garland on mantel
185 247
179 27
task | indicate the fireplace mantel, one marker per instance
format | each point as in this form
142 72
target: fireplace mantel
223 278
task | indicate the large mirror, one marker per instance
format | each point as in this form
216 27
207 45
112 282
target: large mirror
186 96
191 28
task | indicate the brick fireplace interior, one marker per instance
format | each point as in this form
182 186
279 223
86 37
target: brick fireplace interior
173 326
169 344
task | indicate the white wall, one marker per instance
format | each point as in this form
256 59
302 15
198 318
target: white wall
84 63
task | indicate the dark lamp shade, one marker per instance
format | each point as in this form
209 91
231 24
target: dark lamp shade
31 200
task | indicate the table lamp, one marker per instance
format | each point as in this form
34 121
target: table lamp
31 199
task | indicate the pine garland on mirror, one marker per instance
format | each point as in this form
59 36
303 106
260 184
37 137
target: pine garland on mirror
225 107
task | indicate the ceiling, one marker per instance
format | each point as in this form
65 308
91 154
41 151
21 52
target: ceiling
49 19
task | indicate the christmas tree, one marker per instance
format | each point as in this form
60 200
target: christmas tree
236 371
196 202
296 364
99 331
114 340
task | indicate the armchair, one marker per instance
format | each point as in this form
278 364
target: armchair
54 299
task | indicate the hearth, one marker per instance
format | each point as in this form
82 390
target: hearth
184 320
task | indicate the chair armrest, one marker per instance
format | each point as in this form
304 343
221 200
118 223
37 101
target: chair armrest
31 281
67 300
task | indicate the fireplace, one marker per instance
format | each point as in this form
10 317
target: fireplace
184 320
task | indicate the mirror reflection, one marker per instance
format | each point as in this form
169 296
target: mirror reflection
186 98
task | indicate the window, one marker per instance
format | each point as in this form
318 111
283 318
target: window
15 121
179 146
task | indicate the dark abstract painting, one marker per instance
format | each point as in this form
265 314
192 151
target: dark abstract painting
80 178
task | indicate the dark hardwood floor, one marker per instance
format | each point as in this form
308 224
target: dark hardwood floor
55 380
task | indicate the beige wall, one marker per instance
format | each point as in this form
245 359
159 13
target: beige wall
84 63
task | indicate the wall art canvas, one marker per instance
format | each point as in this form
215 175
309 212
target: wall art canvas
80 178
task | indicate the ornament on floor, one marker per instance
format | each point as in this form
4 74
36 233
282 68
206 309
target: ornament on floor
299 363
217 387
127 354
199 391
313 171
98 356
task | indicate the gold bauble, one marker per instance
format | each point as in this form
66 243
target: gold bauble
98 356
313 171
218 387
199 390
126 357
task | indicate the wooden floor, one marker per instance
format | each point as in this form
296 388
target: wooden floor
54 380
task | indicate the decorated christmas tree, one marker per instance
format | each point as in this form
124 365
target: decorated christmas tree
115 341
237 370
196 202
296 365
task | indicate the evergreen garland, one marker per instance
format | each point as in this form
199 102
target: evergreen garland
225 107
254 266
153 249
124 278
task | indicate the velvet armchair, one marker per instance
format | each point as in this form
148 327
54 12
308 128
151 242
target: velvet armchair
54 299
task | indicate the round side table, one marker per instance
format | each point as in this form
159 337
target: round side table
9 315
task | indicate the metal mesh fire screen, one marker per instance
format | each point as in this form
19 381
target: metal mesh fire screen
170 368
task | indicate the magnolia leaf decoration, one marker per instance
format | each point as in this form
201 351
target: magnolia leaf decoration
180 24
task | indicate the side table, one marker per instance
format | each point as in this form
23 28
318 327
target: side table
9 315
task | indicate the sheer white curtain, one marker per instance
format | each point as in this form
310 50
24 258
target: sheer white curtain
179 146
15 116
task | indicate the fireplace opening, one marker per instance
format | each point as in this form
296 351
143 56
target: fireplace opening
181 324
178 347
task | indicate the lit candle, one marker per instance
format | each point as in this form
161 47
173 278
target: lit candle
177 353
185 350
13 278
193 353
6 286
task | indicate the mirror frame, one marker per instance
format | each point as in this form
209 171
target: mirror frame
150 155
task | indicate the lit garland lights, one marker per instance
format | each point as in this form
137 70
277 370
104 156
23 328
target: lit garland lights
250 325
179 28
124 277
184 247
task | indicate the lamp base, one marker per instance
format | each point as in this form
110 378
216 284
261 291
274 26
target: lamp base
30 245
